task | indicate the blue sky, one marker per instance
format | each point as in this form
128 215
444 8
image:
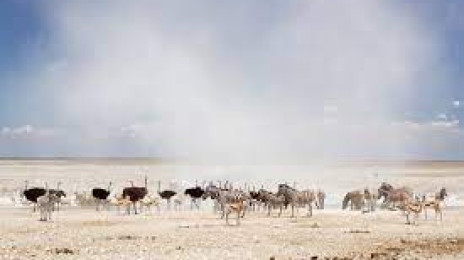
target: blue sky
293 80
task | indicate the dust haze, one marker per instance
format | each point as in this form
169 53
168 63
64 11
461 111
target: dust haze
310 82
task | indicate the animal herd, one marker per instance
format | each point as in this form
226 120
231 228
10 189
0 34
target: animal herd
228 200
402 198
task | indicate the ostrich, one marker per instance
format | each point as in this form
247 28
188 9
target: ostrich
195 194
166 194
32 194
135 194
59 194
100 195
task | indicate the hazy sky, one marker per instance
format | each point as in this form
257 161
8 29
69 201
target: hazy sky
255 81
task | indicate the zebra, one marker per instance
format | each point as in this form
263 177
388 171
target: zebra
46 205
320 199
272 201
224 196
297 198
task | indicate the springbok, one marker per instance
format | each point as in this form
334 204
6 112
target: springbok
119 200
411 206
435 201
236 206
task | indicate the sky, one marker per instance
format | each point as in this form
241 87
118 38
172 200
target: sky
233 81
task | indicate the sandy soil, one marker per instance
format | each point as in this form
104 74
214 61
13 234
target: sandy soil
86 234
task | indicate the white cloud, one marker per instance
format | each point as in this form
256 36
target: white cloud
442 124
25 130
452 124
29 131
442 116
456 103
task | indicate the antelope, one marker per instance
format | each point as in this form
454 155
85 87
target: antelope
435 201
412 207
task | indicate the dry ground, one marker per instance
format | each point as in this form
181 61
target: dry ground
77 233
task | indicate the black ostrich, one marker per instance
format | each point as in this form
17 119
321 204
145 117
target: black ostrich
255 198
100 195
59 193
135 194
166 194
195 194
33 193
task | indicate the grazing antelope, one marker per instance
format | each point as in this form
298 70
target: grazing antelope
411 206
435 201
149 201
83 198
119 200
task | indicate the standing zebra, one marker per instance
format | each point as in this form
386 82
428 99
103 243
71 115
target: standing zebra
297 198
320 199
272 201
46 204
224 196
